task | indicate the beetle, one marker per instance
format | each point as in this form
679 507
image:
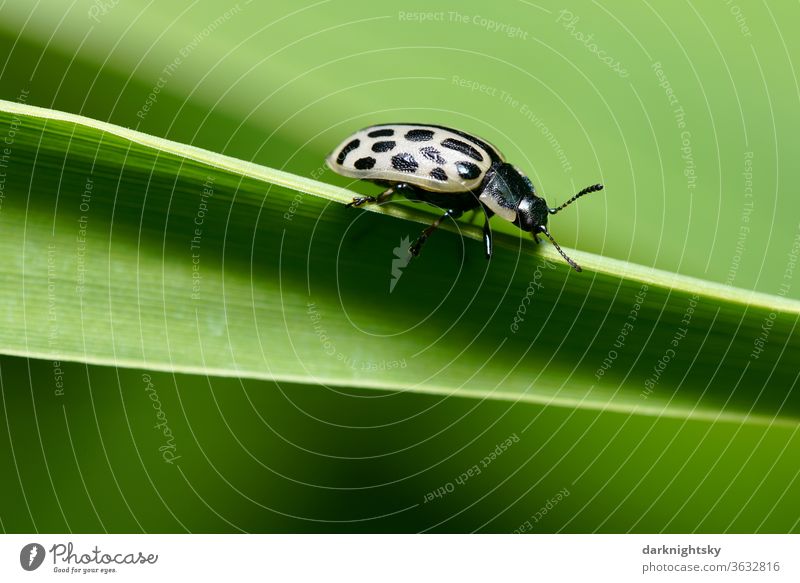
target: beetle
448 168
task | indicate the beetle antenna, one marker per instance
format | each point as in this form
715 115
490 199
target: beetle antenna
566 257
587 190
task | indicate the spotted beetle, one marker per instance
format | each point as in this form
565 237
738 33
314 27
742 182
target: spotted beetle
447 168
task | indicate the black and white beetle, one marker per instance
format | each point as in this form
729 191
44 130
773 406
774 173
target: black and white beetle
447 168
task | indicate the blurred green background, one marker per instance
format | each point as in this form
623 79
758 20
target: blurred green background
686 112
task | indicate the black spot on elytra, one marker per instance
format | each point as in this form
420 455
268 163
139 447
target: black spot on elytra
462 147
419 135
383 146
467 170
404 162
381 133
439 174
346 150
365 163
432 154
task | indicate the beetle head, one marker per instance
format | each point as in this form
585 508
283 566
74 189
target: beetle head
511 194
533 211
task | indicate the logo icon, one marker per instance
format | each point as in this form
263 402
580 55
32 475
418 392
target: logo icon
402 257
31 556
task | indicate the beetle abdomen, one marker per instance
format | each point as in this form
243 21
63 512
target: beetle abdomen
434 158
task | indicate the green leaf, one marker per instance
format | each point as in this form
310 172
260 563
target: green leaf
125 249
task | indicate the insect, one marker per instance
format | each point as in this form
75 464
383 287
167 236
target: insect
447 168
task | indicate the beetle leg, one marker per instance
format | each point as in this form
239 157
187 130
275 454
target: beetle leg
487 233
359 200
417 246
382 197
536 238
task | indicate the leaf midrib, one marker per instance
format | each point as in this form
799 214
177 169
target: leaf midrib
589 261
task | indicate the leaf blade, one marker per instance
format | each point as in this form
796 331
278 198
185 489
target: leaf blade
254 320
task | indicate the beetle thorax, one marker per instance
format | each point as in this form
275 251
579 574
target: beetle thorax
506 188
532 213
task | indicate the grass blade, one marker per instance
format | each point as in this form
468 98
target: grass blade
105 263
